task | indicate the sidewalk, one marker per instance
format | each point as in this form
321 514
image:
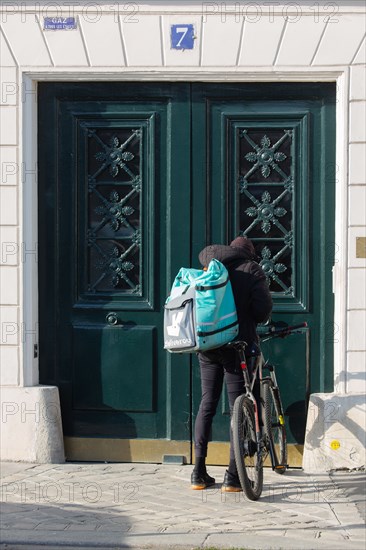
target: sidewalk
79 505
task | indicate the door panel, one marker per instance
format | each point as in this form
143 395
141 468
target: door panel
109 385
108 157
269 153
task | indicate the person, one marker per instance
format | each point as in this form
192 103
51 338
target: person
254 305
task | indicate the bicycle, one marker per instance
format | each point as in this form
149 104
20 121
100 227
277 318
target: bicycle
253 442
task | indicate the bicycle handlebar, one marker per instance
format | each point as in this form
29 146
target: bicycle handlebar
282 332
273 332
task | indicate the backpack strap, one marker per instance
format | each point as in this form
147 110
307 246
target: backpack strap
212 287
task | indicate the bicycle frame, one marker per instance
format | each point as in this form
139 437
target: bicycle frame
260 364
249 385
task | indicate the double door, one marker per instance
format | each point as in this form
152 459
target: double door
134 179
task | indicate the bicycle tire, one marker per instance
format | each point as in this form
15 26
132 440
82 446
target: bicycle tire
274 425
248 462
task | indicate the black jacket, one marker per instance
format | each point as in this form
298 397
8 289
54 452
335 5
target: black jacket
250 287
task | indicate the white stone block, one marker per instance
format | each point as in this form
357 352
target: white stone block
360 56
357 205
357 130
332 50
67 48
353 233
9 166
260 41
9 90
9 326
8 206
31 425
6 58
357 163
103 41
142 41
221 41
181 58
8 125
305 32
356 333
9 361
335 432
357 289
356 371
8 286
358 82
22 32
9 246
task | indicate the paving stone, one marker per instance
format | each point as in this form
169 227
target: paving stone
114 528
49 526
83 526
21 526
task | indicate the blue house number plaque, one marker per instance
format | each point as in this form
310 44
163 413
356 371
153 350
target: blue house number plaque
182 37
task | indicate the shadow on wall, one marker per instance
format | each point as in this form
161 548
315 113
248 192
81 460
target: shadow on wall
336 432
351 379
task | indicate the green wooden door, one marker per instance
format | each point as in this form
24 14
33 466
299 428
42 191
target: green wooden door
114 206
134 179
263 158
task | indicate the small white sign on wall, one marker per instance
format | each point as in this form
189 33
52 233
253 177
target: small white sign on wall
59 23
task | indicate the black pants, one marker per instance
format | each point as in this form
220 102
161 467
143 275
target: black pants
216 365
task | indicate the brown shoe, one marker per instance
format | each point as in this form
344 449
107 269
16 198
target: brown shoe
201 481
231 483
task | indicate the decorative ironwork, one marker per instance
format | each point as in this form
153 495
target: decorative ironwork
266 184
273 269
266 212
115 156
266 155
116 265
114 210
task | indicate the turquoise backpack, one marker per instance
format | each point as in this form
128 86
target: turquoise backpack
200 312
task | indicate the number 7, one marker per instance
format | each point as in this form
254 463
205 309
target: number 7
182 30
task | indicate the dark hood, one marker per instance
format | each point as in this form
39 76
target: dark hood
226 254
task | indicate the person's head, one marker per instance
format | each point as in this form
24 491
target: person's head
243 243
241 247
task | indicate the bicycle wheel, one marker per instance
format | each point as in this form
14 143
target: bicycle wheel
248 461
274 426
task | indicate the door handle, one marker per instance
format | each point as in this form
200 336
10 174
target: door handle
111 318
